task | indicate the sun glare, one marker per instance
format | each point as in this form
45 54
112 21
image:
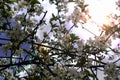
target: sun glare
99 11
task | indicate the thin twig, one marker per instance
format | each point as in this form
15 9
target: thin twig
94 74
110 35
87 30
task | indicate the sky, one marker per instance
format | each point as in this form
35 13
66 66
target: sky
98 9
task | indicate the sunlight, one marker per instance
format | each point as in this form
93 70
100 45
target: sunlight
98 10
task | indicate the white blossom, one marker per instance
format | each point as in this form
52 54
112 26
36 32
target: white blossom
75 16
111 71
6 47
80 45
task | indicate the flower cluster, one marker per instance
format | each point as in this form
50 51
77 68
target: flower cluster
20 5
111 21
111 71
6 47
80 13
80 46
98 43
62 6
75 16
15 32
38 9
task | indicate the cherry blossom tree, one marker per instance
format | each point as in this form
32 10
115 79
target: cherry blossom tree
60 54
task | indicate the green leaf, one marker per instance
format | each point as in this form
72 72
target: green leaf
12 0
87 72
71 1
54 18
32 10
74 37
81 62
85 5
8 7
33 2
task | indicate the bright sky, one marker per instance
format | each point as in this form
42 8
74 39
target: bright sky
98 9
